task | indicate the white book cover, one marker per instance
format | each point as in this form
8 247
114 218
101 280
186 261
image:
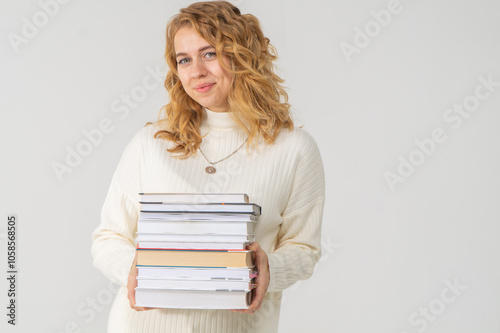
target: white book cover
194 238
192 299
202 208
192 245
194 227
192 284
196 216
193 198
196 273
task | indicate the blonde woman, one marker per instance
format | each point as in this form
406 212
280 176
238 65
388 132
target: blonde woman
227 128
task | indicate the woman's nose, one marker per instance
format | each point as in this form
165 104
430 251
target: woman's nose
198 69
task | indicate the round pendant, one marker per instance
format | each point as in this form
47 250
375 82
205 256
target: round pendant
210 169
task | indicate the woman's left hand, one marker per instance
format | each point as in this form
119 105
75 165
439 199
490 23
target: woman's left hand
263 278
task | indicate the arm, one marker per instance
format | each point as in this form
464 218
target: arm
113 247
299 238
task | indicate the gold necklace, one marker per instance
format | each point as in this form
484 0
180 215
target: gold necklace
211 169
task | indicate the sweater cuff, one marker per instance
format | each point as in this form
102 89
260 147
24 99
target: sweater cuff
275 271
114 257
287 266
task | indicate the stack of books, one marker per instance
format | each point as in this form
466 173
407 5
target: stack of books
191 251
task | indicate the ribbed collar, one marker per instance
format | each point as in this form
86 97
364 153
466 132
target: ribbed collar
219 121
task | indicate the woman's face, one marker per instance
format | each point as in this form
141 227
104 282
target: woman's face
201 75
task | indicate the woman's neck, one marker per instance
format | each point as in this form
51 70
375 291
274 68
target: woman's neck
219 121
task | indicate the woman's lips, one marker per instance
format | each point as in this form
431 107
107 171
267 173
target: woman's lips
204 87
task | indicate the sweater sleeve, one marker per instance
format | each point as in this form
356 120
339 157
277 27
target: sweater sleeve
113 247
299 238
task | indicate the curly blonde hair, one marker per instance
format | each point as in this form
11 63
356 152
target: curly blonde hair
256 97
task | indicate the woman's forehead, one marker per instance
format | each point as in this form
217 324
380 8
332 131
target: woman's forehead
187 40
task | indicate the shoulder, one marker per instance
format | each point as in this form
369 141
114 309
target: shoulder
147 130
145 135
139 141
307 174
298 151
297 139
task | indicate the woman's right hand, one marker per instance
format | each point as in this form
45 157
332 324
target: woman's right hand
131 284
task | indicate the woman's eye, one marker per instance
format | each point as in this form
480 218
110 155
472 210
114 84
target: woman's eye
183 61
210 55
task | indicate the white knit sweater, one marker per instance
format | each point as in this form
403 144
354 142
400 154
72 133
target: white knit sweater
285 178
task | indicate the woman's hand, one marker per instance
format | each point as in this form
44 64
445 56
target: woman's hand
131 284
263 278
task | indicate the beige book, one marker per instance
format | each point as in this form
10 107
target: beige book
199 258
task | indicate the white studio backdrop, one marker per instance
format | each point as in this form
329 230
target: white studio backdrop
402 97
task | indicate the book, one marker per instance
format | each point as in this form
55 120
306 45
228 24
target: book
193 198
196 273
203 208
193 245
206 284
197 258
195 227
192 299
196 217
199 238
191 250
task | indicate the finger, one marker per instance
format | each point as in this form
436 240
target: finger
259 297
250 309
260 291
131 299
131 292
253 247
262 280
143 308
132 283
138 308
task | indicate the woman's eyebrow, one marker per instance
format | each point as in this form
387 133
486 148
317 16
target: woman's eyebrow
201 49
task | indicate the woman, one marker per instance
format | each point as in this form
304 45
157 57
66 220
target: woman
226 129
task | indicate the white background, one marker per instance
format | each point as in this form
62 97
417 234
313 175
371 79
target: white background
387 252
